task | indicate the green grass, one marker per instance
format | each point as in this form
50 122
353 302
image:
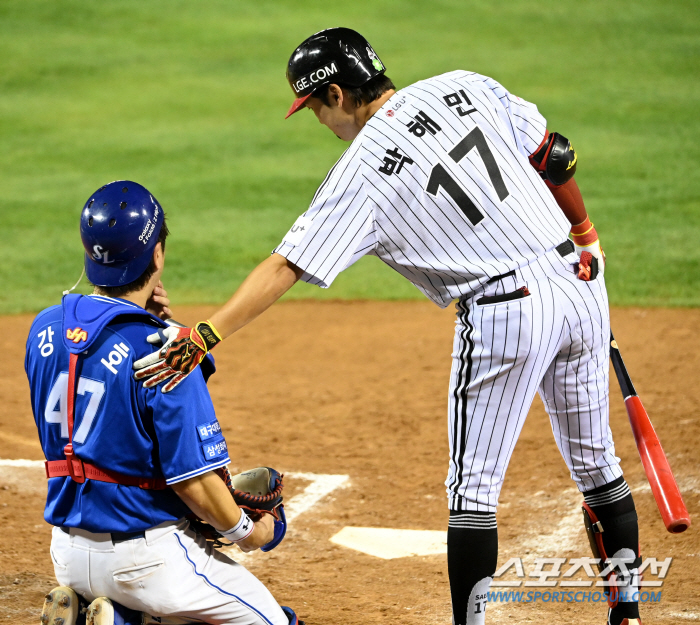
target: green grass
188 98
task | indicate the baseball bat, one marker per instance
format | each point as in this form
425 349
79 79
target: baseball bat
663 484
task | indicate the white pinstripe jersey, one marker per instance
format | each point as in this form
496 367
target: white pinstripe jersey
438 185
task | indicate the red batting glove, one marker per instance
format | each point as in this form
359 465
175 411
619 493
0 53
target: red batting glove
587 267
182 351
585 239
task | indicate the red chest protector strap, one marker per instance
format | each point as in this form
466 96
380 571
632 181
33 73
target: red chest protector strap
78 470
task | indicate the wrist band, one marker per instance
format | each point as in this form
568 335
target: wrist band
582 240
583 227
587 234
208 333
241 530
580 234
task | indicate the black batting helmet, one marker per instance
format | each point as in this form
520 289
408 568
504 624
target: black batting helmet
334 55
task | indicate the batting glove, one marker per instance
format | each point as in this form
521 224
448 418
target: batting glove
183 349
586 239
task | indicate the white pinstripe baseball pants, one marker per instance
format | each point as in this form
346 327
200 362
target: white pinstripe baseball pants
555 341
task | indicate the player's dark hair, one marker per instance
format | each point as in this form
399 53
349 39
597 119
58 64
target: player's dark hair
369 92
142 280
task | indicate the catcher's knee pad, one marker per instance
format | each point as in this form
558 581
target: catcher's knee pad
623 579
61 607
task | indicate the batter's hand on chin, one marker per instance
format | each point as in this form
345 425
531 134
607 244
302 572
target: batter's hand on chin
263 533
158 304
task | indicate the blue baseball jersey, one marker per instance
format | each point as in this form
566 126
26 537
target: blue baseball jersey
119 425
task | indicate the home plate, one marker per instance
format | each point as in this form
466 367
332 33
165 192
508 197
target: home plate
388 544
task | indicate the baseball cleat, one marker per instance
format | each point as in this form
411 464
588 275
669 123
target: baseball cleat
103 611
61 607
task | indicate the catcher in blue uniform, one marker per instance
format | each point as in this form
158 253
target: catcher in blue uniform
127 466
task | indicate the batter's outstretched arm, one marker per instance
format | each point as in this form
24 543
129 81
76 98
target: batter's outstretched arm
184 348
269 281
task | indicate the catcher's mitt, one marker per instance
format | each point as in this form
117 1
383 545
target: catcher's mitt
258 492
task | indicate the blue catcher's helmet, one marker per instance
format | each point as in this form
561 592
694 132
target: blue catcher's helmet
119 226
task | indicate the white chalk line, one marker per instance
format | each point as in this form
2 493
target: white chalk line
564 537
321 484
22 464
685 485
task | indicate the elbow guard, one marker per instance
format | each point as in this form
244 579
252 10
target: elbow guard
555 160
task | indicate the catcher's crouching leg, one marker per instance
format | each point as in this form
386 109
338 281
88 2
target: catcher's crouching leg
611 524
472 554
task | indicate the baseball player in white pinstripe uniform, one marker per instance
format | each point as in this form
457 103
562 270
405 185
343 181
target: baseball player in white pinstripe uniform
458 185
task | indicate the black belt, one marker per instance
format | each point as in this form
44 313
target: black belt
510 274
117 537
564 249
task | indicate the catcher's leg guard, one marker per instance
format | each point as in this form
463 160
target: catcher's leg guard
103 611
291 615
61 607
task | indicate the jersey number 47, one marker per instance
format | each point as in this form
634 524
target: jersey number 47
57 405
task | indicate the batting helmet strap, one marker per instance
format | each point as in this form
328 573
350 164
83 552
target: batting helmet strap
334 55
119 227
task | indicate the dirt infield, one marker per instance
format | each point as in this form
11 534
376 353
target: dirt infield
360 389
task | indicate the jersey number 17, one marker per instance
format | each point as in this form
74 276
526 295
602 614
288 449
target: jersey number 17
440 177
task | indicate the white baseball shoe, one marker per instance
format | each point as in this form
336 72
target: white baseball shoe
61 607
103 611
